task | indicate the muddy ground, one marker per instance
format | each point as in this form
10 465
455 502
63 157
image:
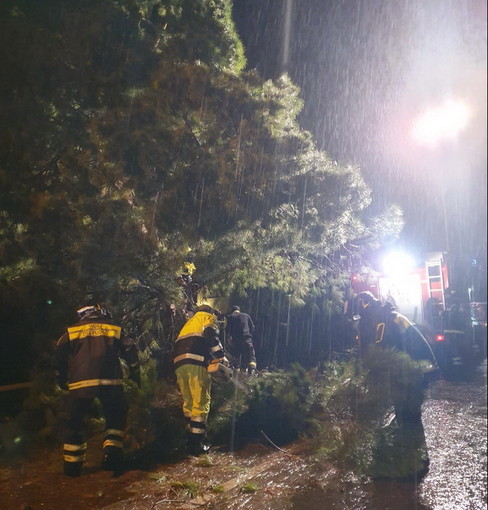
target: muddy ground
259 476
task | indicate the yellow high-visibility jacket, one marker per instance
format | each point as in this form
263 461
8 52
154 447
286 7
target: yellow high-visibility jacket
198 341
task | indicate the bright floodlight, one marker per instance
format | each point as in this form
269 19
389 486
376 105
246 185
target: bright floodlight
445 121
397 263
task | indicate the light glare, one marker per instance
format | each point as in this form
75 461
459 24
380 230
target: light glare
445 121
397 263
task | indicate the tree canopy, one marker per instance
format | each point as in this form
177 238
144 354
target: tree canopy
134 138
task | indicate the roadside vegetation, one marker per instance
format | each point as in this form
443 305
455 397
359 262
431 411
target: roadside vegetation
343 410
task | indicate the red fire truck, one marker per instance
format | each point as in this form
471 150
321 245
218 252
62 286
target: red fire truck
455 327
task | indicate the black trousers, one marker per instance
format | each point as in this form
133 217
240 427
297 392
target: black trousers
243 350
114 407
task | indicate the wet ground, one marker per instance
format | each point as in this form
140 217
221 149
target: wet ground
259 475
263 477
455 421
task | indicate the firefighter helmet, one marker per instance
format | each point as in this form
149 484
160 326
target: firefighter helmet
365 298
364 303
93 311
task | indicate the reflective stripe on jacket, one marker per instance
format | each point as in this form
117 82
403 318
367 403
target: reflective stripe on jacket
402 334
88 356
198 341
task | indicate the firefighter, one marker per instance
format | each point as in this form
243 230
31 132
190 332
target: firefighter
240 328
87 362
383 325
196 345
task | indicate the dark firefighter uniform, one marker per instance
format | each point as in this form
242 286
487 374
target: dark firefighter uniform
240 328
87 361
197 343
382 325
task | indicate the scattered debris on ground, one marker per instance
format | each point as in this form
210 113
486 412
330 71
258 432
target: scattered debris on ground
250 477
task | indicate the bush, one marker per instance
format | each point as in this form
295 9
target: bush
155 425
355 412
363 415
275 403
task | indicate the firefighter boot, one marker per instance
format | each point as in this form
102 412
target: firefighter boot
72 469
113 460
195 444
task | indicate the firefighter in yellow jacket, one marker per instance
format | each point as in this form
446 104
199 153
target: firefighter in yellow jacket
197 343
87 362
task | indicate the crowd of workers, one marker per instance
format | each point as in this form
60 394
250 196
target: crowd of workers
87 361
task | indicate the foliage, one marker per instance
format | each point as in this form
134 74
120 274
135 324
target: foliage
38 424
155 429
277 403
347 408
375 391
205 461
132 140
249 487
352 412
188 488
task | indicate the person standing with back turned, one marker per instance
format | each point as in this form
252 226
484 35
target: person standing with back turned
196 345
240 328
87 362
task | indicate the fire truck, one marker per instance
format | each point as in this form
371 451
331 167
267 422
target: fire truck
455 326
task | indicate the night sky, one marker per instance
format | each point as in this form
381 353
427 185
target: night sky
366 69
